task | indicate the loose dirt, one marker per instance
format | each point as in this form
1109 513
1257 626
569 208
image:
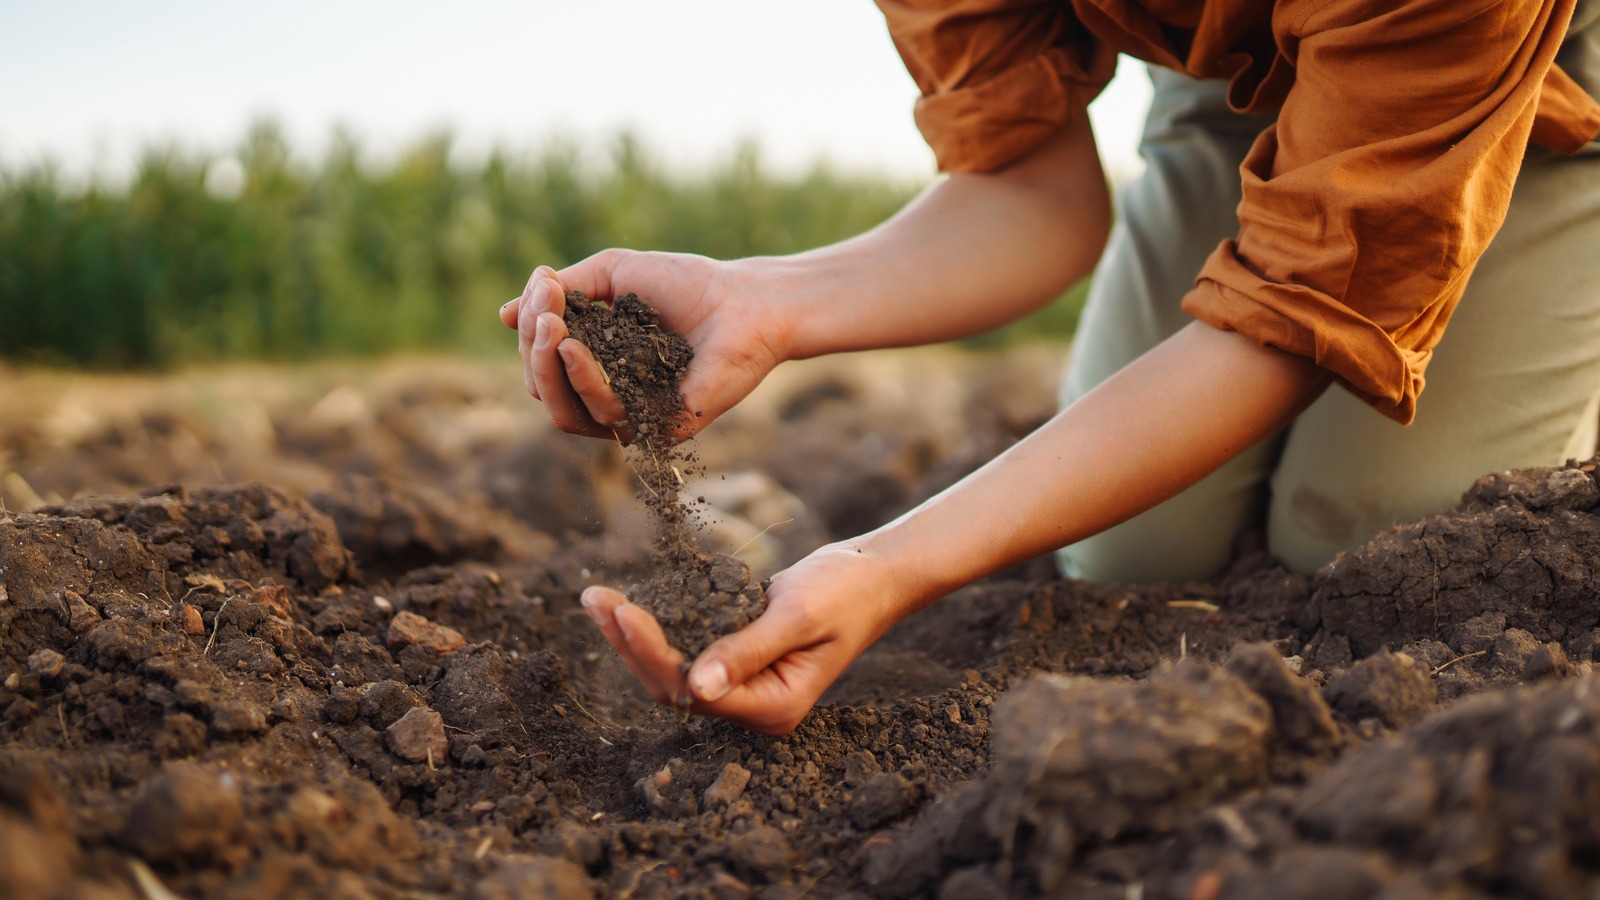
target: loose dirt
380 683
696 597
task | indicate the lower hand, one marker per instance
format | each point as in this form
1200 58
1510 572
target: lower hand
821 614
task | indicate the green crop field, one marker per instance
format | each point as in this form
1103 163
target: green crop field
341 256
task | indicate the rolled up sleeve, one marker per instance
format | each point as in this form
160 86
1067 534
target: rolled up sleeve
997 77
1386 176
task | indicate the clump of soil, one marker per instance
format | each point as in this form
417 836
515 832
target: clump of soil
698 603
695 596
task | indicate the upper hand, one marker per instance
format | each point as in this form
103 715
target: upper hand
736 331
821 614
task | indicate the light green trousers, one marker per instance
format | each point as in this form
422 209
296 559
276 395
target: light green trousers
1514 382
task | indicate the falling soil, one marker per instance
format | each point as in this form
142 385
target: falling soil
696 597
644 365
377 688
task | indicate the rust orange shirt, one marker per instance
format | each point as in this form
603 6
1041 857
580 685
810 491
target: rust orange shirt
1401 127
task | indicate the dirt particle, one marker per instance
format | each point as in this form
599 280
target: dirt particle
1387 791
881 800
418 736
760 853
1389 687
341 707
728 787
1301 718
1548 663
46 663
237 718
385 702
407 629
859 767
183 813
1512 651
193 624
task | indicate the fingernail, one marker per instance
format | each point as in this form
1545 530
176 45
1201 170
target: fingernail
592 607
567 356
711 681
506 304
541 333
541 296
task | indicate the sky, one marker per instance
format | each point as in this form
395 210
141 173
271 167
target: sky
90 82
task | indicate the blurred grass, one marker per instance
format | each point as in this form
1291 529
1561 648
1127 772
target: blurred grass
255 255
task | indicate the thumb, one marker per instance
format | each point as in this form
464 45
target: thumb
736 658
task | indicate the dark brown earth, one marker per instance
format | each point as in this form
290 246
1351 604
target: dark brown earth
380 684
701 599
695 596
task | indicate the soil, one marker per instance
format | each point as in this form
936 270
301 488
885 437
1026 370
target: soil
374 679
696 597
701 599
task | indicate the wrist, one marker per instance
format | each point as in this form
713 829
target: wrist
915 571
794 291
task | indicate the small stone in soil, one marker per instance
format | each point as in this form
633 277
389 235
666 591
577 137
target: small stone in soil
728 787
46 663
408 629
419 736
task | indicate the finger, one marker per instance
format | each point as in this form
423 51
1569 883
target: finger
511 311
549 375
534 301
592 384
601 604
649 645
736 658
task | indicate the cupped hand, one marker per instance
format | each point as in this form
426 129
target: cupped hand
821 614
736 331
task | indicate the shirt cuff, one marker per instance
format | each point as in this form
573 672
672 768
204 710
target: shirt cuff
1361 355
983 127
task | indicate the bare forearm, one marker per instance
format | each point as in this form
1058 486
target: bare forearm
1161 424
971 253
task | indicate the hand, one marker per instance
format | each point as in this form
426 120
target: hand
735 329
821 614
